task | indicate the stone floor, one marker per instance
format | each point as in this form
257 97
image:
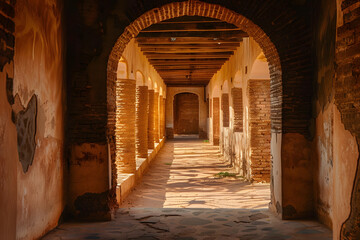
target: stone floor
181 198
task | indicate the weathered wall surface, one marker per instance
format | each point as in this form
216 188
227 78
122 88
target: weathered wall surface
32 119
347 98
335 146
169 109
38 70
8 135
8 160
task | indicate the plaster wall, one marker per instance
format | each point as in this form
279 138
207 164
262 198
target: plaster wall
8 161
136 61
335 148
38 70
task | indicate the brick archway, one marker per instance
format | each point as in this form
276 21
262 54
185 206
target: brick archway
192 7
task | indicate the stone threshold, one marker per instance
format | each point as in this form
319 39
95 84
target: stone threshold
127 182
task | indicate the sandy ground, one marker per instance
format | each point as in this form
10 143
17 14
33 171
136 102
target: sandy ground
183 176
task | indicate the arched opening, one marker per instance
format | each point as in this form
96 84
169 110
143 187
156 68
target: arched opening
198 8
186 114
94 109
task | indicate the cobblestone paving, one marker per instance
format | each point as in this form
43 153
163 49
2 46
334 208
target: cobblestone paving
180 198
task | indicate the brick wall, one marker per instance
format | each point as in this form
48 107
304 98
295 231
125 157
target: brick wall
161 120
237 99
142 105
151 122
156 117
216 120
225 109
210 107
260 129
347 97
125 126
186 113
7 28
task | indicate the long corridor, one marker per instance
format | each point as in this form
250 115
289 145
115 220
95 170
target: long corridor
183 196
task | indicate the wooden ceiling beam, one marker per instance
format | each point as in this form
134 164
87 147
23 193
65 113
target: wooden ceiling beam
190 19
189 57
190 45
236 34
191 26
186 85
187 67
188 40
184 50
189 61
187 71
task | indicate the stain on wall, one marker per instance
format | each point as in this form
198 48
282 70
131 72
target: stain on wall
26 130
38 85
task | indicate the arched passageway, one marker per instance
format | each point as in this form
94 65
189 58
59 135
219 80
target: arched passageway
64 56
186 113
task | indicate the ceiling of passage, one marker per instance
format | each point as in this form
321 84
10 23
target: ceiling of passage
189 50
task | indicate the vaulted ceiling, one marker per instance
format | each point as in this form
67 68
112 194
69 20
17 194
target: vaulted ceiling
189 50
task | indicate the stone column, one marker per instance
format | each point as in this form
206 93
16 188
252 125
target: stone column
151 120
125 126
236 94
225 109
156 117
161 104
141 121
216 121
164 114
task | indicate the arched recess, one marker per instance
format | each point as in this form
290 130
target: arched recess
150 83
186 113
178 9
260 68
169 106
140 80
122 69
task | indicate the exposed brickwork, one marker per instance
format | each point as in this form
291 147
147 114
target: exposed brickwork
207 108
162 117
260 129
156 117
236 94
186 113
225 109
210 107
125 126
151 123
347 97
216 120
142 105
7 28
